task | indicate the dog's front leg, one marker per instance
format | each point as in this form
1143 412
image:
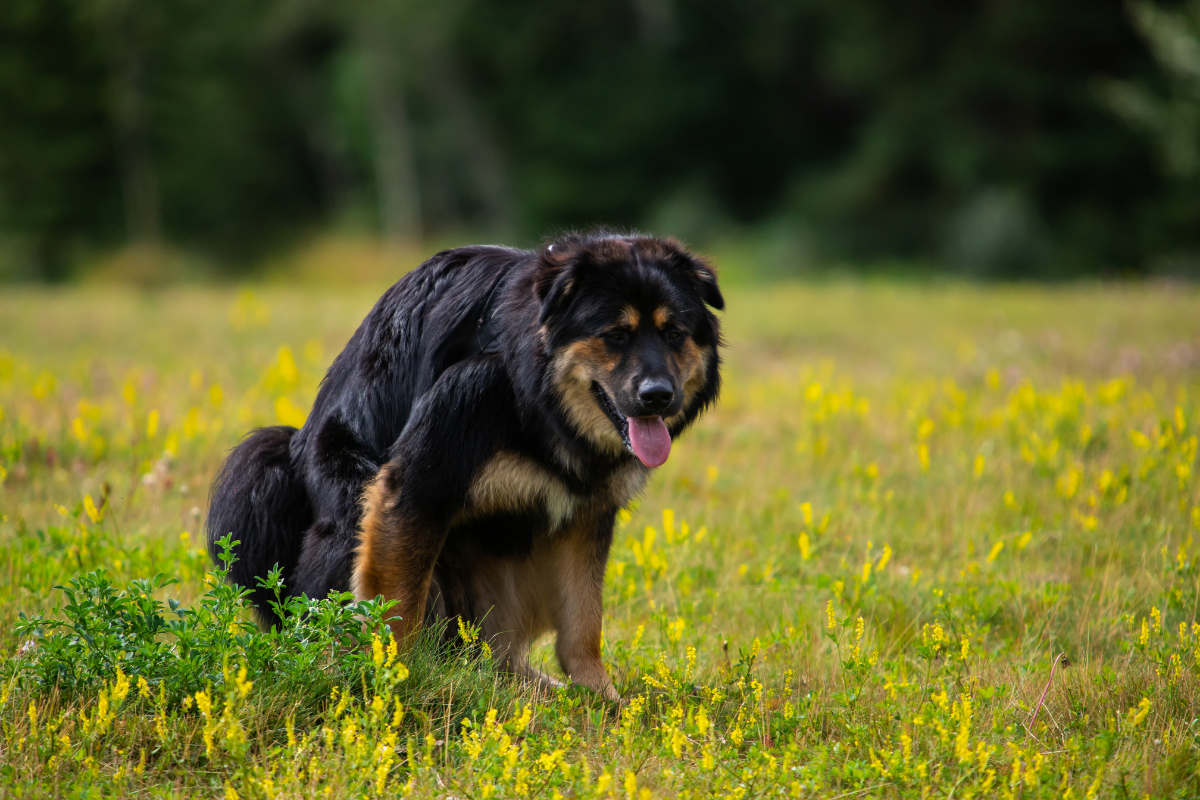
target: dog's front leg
582 555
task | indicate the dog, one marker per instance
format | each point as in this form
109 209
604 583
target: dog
469 449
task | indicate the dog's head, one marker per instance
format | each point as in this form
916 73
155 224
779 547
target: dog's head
632 342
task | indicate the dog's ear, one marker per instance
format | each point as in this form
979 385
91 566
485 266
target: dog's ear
555 280
706 279
699 271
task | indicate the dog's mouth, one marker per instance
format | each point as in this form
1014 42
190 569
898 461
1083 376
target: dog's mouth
645 437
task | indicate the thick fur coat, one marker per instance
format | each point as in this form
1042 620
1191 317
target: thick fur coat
468 451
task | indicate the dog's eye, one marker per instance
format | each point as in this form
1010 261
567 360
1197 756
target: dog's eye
616 337
674 334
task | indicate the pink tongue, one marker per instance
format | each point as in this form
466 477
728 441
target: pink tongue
650 440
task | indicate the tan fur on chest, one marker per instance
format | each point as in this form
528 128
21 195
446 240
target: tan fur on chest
510 482
626 482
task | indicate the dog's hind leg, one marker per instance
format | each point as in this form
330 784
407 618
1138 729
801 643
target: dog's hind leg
396 555
408 507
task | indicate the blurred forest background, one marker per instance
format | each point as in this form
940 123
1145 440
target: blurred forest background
1007 138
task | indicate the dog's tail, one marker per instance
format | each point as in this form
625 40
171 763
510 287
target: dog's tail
257 498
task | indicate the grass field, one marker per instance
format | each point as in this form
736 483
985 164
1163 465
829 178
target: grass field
935 540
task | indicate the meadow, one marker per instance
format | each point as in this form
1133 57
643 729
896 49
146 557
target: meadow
936 540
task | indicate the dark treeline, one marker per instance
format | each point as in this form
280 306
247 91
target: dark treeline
1015 138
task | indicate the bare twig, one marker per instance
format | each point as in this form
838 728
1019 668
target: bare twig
1062 657
860 791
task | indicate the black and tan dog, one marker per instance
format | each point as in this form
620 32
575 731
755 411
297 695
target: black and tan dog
468 451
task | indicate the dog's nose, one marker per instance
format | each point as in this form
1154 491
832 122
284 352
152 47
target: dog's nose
656 394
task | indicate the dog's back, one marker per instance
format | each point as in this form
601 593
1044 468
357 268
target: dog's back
282 493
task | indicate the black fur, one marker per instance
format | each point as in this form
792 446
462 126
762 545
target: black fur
415 387
257 498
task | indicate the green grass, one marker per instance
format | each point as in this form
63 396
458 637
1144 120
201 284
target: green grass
854 578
